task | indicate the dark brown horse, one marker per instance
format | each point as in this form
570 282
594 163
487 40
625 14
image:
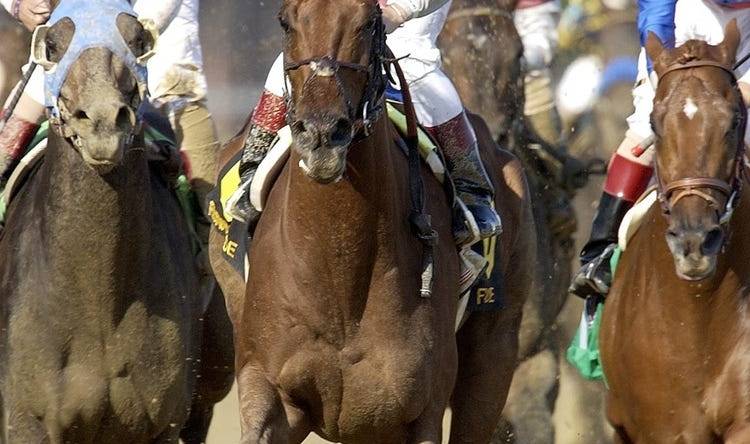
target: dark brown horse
332 334
13 53
99 310
675 336
482 52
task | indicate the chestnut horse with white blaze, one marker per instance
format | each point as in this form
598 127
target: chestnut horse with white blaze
675 339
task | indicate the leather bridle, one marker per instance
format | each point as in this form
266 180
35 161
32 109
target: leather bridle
364 116
676 190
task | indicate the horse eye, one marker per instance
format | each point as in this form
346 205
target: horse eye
736 121
284 23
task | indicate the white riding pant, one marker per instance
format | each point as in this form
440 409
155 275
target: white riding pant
436 100
694 19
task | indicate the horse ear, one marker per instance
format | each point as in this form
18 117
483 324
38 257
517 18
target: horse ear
728 48
654 49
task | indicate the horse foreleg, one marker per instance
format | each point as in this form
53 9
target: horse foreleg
487 355
428 428
264 417
531 398
738 434
26 429
216 370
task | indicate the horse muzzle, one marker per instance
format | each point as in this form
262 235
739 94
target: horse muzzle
695 251
323 146
324 166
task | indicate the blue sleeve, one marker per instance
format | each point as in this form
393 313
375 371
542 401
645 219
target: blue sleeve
656 16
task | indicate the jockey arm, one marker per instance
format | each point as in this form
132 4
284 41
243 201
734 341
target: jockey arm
160 12
397 12
656 16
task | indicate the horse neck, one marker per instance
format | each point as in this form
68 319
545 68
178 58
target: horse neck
93 224
716 305
347 219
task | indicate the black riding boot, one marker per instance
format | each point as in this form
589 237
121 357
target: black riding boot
595 275
473 186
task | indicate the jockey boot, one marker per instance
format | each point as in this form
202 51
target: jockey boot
268 118
473 187
14 138
626 181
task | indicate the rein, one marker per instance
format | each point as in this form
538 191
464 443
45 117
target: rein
673 192
479 11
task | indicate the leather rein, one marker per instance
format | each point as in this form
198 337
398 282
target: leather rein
676 190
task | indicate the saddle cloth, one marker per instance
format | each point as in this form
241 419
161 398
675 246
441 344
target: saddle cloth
481 277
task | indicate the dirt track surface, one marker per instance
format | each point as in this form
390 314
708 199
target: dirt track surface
225 428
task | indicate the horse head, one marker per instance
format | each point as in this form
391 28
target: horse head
494 87
699 123
333 60
94 59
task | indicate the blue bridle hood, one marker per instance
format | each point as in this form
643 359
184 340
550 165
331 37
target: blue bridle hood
95 27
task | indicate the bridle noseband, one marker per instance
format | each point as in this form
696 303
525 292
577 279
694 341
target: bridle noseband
371 106
673 192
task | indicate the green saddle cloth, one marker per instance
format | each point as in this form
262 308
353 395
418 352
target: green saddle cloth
583 353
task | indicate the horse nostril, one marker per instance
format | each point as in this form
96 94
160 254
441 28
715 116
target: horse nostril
125 119
81 115
713 241
342 132
299 127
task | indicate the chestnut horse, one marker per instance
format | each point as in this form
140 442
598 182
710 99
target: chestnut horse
675 337
331 333
482 52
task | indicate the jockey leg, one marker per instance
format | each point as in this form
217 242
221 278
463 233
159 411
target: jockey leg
18 132
539 109
199 143
439 108
461 150
627 178
537 27
268 118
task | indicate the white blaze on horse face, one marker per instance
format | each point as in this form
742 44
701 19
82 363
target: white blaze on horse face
690 108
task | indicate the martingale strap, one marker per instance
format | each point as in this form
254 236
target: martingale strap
419 219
